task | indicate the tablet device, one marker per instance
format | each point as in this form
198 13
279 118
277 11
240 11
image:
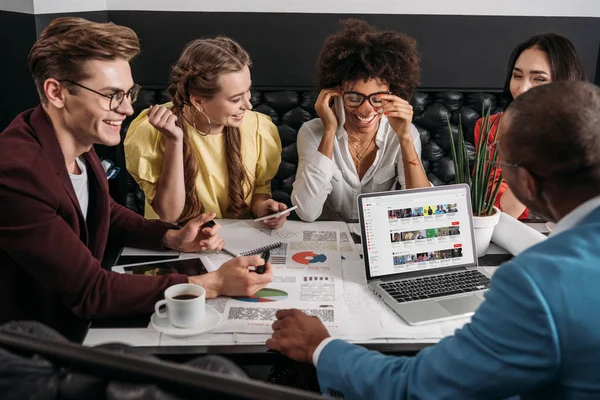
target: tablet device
139 259
189 266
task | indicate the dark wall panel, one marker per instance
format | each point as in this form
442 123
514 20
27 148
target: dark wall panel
18 90
598 69
457 51
43 20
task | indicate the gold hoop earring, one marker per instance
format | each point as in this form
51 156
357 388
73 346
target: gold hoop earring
194 121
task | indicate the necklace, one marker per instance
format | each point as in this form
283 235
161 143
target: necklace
360 151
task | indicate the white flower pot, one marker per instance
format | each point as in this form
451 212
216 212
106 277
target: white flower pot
484 228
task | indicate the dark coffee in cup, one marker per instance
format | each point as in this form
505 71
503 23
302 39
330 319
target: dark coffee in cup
185 297
183 314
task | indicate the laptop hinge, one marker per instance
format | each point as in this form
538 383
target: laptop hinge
419 274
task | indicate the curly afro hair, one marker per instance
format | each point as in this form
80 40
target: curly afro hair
359 51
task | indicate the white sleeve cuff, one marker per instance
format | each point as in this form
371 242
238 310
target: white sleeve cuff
319 349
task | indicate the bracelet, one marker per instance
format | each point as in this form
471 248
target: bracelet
412 162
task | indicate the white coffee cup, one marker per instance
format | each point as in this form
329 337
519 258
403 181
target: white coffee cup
185 305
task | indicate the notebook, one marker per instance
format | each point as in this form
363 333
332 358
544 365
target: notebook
241 239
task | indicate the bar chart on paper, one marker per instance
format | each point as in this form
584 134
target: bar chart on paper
265 295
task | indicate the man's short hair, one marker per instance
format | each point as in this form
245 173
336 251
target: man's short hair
67 43
553 131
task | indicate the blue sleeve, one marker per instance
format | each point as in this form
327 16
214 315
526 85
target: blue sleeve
510 347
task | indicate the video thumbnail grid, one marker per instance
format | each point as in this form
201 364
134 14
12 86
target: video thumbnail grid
425 211
427 256
432 233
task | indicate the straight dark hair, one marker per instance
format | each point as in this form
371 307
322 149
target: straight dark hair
565 64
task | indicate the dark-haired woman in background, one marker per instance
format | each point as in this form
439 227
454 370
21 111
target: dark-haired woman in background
364 140
206 151
539 60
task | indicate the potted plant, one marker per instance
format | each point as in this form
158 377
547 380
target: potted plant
483 178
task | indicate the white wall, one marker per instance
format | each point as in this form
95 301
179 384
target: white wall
65 6
566 8
22 6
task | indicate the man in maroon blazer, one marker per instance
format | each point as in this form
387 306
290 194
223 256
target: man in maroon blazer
55 211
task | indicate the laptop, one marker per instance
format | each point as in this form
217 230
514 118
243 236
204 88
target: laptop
419 252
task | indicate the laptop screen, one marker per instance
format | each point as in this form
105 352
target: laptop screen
416 230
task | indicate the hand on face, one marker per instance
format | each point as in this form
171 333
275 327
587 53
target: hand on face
270 206
325 111
297 335
235 279
192 238
399 113
165 121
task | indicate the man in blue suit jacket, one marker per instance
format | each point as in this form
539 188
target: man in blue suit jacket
537 335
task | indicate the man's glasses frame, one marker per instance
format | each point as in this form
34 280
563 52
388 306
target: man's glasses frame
364 98
116 98
539 178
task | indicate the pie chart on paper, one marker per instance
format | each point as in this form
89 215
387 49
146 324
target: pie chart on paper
308 257
265 295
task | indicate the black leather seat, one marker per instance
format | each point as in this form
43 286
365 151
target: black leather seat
289 109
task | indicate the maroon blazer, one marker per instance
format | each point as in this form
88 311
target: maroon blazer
49 255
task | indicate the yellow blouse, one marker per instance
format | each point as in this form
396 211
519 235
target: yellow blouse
260 149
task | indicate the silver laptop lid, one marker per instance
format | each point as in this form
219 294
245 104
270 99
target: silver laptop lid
408 232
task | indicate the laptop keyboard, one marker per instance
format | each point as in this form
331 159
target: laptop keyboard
436 285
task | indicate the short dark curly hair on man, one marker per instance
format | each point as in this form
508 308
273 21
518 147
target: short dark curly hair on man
359 51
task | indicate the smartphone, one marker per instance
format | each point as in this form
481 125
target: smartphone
276 215
339 111
139 259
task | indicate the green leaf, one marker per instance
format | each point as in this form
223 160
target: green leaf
455 160
481 179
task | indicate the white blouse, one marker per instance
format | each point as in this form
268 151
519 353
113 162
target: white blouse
327 188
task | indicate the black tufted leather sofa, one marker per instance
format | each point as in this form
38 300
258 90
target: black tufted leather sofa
289 109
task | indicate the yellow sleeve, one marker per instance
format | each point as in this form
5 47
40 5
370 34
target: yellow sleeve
269 154
144 152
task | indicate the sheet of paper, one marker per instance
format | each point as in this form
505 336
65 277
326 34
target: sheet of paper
412 341
448 328
355 228
364 306
515 236
260 339
133 336
310 281
205 339
354 271
250 338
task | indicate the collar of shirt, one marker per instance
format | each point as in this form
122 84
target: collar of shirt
575 216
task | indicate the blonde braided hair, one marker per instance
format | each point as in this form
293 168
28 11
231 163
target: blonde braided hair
196 73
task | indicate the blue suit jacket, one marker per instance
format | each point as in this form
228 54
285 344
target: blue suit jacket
537 335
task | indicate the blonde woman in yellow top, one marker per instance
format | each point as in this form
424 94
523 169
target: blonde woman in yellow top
206 151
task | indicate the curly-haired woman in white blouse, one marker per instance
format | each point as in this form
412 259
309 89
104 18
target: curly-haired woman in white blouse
364 140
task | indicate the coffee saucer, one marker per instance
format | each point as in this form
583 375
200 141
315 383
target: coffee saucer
163 325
